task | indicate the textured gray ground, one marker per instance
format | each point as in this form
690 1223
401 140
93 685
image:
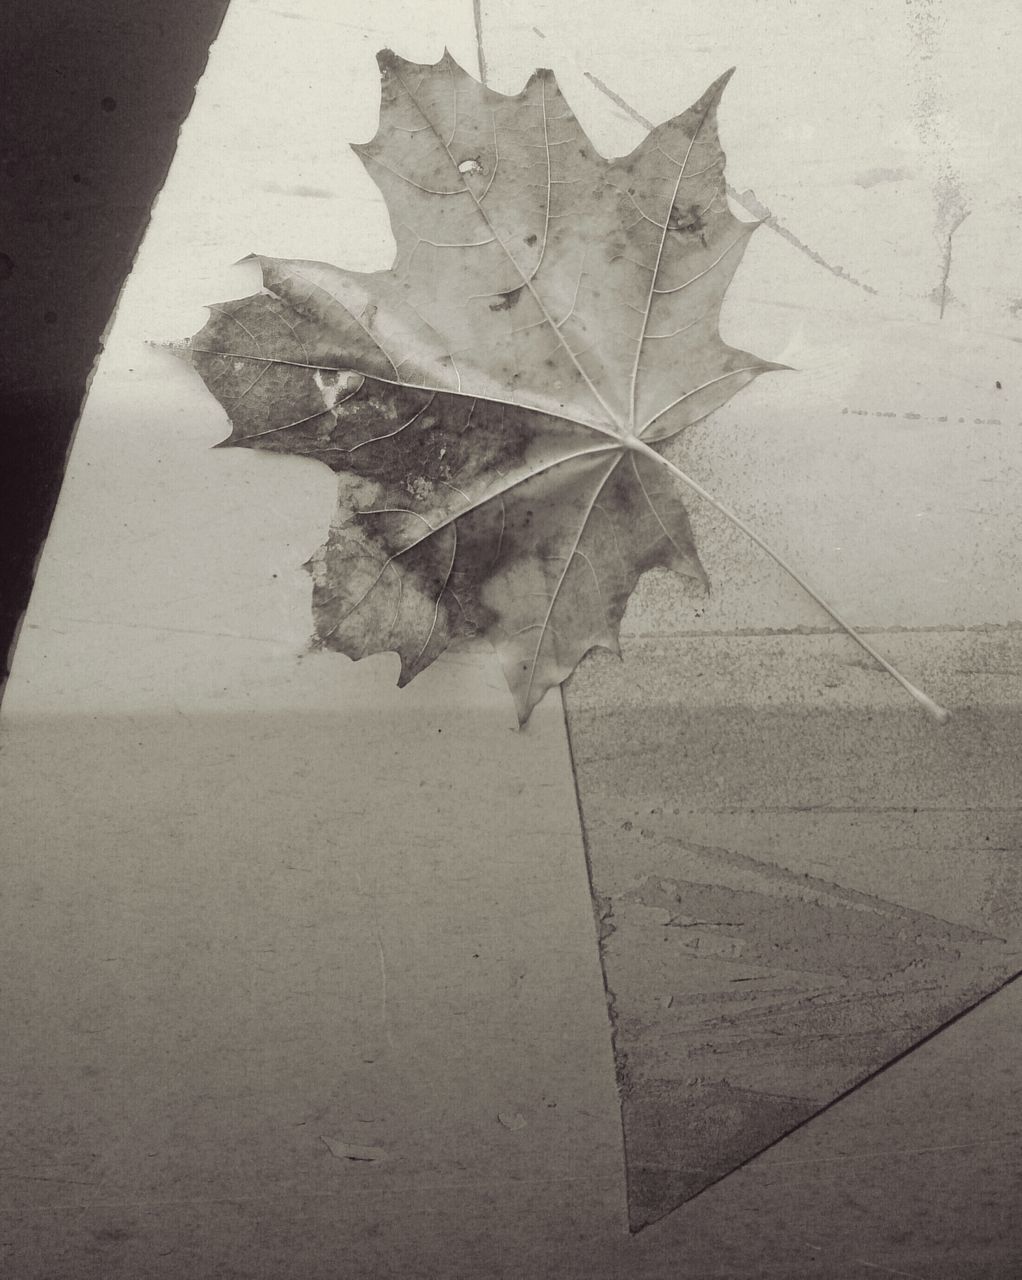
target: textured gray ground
790 894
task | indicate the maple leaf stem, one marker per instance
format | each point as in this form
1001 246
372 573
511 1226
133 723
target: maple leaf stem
938 713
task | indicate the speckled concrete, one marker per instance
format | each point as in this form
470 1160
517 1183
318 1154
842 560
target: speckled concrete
790 895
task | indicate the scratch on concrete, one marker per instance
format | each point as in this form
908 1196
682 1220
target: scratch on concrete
927 28
381 957
947 259
747 199
477 12
780 882
619 101
939 629
888 1271
890 1153
920 417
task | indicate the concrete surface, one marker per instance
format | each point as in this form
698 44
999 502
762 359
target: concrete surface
791 894
262 908
887 468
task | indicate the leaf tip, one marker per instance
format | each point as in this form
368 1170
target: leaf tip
388 61
722 81
713 94
525 703
409 670
179 347
541 73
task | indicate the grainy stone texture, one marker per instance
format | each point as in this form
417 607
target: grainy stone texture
189 790
789 896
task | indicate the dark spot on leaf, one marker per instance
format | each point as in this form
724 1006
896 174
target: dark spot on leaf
507 300
997 385
689 221
109 104
7 269
530 240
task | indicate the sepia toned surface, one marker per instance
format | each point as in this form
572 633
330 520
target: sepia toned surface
789 896
264 909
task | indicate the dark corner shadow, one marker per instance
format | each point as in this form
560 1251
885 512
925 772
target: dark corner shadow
91 101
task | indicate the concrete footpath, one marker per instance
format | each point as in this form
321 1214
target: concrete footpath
304 972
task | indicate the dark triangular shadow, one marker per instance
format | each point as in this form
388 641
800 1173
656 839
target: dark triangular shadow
788 900
654 1192
786 995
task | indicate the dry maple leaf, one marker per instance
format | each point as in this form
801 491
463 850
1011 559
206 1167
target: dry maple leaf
490 404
